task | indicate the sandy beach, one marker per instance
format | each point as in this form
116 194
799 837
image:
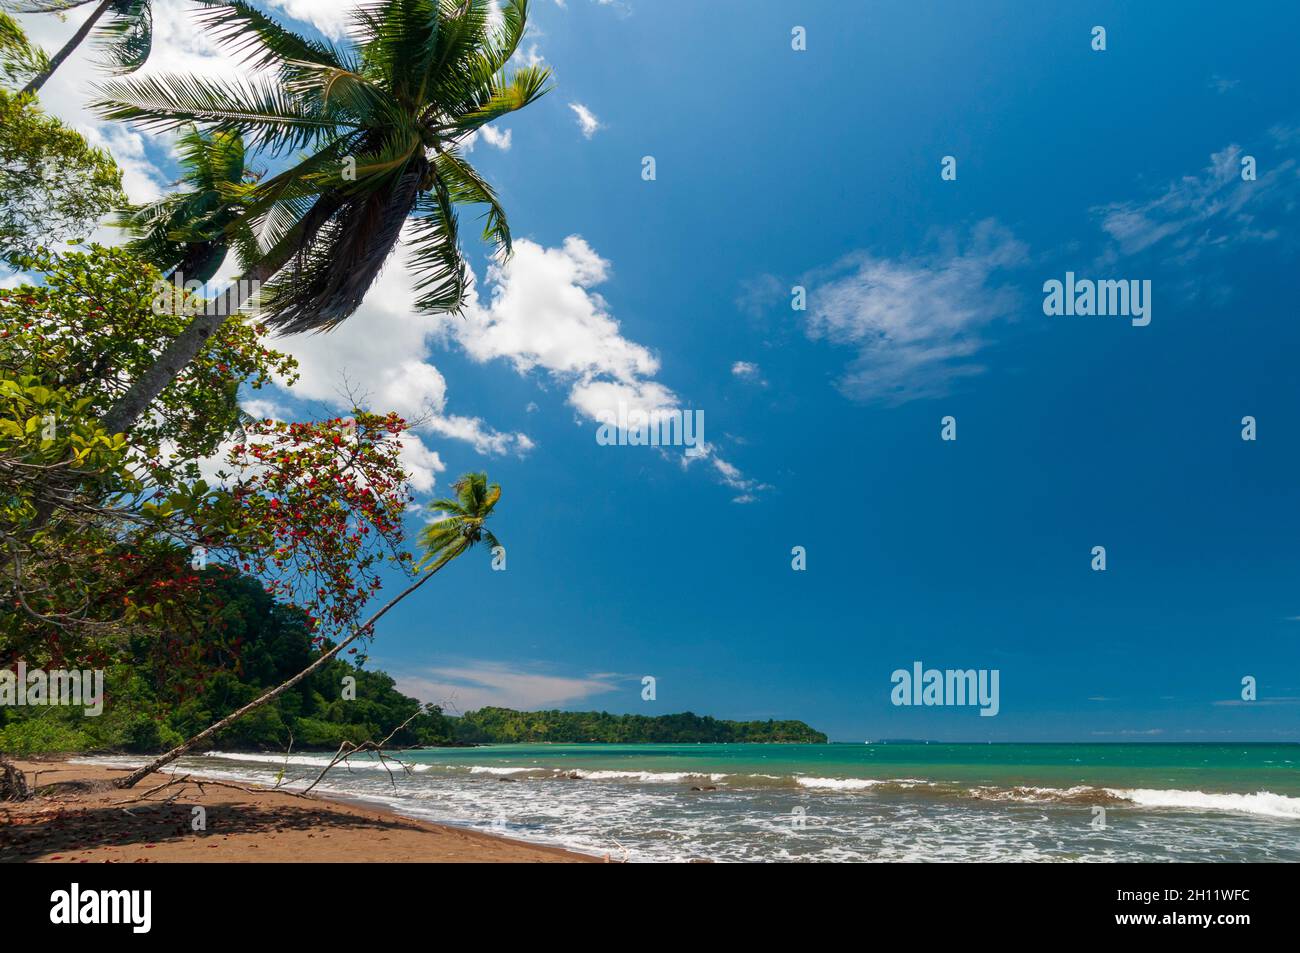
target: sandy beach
79 817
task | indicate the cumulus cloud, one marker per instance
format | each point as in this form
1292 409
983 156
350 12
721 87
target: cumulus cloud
539 312
331 17
381 355
587 120
915 323
496 137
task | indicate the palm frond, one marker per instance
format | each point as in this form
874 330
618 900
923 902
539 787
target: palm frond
49 6
398 40
262 111
502 44
325 282
465 185
127 35
260 41
526 85
435 254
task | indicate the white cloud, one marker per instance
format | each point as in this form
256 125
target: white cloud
541 313
915 322
1198 212
331 17
421 464
475 684
380 355
587 120
141 179
530 56
496 137
748 371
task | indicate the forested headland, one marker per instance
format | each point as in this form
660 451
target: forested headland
154 699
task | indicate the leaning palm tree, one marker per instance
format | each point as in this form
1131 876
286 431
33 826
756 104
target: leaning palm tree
126 30
460 526
382 123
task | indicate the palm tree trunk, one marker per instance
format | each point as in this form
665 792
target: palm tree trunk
121 417
177 355
136 776
39 79
187 345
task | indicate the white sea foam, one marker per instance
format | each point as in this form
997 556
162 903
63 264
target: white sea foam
646 777
838 784
313 761
1263 803
650 815
503 772
1031 793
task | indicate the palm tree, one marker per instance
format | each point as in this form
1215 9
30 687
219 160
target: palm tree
382 123
460 527
127 31
189 231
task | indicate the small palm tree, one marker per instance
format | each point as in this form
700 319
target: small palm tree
189 231
462 523
383 123
460 527
126 30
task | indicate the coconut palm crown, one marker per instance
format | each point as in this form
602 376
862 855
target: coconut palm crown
377 129
462 521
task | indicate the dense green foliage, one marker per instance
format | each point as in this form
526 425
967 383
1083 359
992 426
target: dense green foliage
253 643
54 184
504 725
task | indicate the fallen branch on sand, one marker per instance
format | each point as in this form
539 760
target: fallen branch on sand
347 749
13 783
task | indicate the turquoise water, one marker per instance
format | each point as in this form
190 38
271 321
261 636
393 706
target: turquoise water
1224 768
880 802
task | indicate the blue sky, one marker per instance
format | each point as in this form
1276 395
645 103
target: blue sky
821 168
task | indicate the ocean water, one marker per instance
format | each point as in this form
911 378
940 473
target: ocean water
842 802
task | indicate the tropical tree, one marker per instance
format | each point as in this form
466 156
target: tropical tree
382 121
124 26
461 525
53 184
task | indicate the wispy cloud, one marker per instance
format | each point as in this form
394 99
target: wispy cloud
747 371
1213 209
915 322
474 683
587 120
